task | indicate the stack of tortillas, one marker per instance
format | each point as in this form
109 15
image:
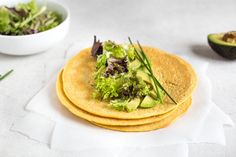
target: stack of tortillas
75 91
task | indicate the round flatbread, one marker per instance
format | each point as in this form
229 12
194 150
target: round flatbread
182 108
176 75
102 120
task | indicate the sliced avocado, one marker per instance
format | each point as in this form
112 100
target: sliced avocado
119 105
135 64
153 95
133 105
148 102
224 44
144 76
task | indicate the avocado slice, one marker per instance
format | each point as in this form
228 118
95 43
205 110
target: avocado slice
133 105
148 102
135 64
143 75
224 44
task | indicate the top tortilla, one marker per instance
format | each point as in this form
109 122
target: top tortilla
176 75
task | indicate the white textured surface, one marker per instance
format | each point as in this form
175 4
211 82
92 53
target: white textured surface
176 26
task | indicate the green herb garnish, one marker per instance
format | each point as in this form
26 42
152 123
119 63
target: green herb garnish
144 60
6 74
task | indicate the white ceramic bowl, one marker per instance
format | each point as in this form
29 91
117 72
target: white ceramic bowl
39 42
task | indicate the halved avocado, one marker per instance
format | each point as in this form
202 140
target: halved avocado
224 44
133 105
148 102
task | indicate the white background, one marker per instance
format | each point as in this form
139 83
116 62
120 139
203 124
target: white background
179 26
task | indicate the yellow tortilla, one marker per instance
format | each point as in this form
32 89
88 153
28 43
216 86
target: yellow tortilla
102 120
181 109
177 77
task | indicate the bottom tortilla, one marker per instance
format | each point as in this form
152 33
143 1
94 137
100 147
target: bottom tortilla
152 126
112 122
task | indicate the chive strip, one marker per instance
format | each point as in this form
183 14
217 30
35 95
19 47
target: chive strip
164 90
143 54
156 82
5 75
159 84
148 67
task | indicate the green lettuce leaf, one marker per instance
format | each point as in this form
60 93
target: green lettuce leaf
131 53
116 50
123 87
4 20
101 60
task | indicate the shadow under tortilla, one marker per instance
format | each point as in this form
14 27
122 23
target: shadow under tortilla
204 51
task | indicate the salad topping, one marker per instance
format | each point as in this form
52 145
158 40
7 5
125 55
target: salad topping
124 78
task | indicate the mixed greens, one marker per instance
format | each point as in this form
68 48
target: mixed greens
27 18
124 77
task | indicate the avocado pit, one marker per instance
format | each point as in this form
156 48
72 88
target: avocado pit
230 37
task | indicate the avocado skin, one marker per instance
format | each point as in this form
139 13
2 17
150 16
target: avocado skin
225 51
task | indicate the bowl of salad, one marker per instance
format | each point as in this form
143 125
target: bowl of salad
31 26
